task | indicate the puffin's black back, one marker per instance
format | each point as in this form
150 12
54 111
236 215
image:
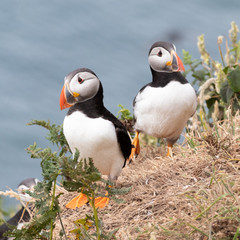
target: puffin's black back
94 108
14 221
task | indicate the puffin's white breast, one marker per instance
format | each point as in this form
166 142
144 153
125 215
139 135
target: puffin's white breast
95 138
163 111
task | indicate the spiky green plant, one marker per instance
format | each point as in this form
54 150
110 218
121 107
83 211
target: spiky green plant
76 175
124 113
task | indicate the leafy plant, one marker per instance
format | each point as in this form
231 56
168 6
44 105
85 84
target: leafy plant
76 175
125 116
46 201
124 113
219 82
84 177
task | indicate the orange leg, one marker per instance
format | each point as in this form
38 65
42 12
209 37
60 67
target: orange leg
78 201
169 152
136 148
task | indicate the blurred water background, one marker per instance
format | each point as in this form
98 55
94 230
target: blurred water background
42 41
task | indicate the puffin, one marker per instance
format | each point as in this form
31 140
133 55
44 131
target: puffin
92 129
22 216
162 107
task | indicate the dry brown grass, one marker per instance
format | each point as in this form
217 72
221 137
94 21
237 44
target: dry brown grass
194 195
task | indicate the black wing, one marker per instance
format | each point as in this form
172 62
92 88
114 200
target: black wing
14 221
122 134
124 142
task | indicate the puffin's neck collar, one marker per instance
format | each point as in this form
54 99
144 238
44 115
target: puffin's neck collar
161 79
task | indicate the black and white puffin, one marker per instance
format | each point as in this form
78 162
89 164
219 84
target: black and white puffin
92 129
163 106
22 216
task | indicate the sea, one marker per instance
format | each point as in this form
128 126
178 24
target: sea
42 41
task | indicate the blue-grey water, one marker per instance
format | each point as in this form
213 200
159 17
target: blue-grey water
42 41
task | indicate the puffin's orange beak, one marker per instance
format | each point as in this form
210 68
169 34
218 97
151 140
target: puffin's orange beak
180 64
63 100
177 64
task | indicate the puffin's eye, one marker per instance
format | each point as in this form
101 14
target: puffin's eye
80 80
160 53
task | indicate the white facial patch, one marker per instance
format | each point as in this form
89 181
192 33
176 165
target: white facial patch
85 84
158 58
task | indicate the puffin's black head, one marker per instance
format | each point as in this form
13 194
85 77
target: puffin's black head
162 57
80 85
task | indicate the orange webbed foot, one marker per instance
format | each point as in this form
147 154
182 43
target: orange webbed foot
101 202
78 201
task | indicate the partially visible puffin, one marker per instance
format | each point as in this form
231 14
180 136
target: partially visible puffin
92 129
22 216
163 106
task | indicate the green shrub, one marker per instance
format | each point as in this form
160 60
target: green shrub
218 82
75 175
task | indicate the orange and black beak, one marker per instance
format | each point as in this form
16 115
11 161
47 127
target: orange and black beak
63 99
67 98
176 63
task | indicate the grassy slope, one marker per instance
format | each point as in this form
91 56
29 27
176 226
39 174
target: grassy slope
194 195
